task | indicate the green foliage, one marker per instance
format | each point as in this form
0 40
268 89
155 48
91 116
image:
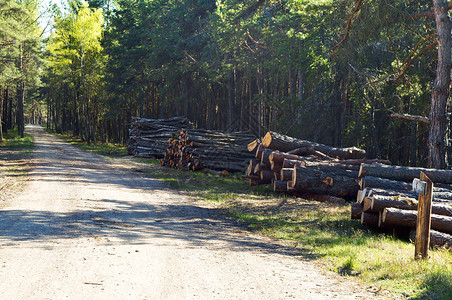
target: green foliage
13 140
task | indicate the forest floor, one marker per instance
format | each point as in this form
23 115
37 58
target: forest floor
78 225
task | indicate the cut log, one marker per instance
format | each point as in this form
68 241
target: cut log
315 181
324 198
383 183
367 204
289 163
266 176
280 186
290 187
335 165
437 239
252 167
379 201
404 173
252 147
259 151
311 151
265 158
407 218
284 143
356 210
286 174
370 219
361 195
254 182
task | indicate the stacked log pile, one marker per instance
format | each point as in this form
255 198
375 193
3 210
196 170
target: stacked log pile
385 200
199 149
149 137
298 166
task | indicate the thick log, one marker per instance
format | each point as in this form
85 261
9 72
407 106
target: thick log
284 143
289 163
364 161
437 239
252 167
407 218
259 151
368 218
383 183
266 176
280 186
335 165
252 147
265 157
356 209
254 182
324 198
286 174
278 157
361 195
404 173
367 204
310 151
379 201
290 187
441 192
315 181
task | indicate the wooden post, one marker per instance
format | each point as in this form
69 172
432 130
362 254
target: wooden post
423 222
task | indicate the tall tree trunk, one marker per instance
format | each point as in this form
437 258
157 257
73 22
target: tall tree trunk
440 89
5 111
20 97
1 114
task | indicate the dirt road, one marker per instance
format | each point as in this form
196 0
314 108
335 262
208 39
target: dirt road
87 227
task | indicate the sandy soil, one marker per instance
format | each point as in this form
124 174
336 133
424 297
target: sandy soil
89 227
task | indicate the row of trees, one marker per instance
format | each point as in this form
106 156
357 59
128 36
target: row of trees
19 60
323 70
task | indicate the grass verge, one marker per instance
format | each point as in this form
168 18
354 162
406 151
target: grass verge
107 149
13 140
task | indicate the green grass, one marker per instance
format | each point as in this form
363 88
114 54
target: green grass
107 149
13 140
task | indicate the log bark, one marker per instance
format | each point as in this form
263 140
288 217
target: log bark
280 186
441 87
368 218
286 174
265 157
404 173
407 218
252 167
284 143
289 163
356 209
437 239
259 151
266 176
324 198
381 201
315 181
310 151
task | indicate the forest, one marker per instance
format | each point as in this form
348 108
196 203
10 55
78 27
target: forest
333 72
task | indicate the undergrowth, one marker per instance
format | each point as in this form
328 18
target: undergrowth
107 149
13 140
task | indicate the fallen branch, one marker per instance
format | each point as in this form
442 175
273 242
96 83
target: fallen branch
411 117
